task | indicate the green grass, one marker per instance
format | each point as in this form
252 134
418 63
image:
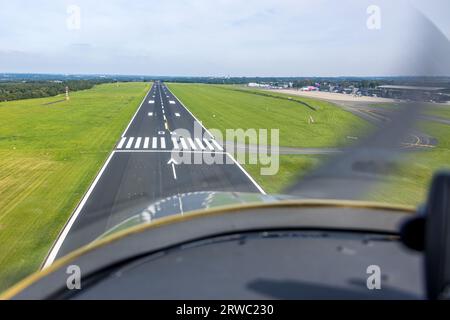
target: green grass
292 167
228 107
49 154
442 111
410 184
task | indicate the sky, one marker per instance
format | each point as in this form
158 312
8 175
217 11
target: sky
223 37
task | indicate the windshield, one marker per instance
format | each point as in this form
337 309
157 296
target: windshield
117 113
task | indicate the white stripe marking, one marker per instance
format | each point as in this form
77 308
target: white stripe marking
183 143
174 172
130 142
171 102
246 173
208 144
163 143
217 145
138 143
146 140
122 141
191 143
154 143
151 101
199 142
175 143
177 114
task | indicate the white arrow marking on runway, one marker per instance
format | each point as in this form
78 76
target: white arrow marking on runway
173 163
146 142
154 142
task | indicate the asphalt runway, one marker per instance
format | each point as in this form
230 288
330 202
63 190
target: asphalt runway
140 170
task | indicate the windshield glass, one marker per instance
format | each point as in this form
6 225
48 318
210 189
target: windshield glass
118 113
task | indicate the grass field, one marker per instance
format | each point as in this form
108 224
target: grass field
236 107
291 168
49 154
410 184
228 107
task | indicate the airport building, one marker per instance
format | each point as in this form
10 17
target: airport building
431 94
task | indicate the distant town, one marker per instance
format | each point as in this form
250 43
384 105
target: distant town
429 89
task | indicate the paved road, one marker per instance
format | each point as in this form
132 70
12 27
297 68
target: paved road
138 171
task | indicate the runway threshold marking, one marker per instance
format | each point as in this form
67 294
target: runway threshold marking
175 143
122 141
191 143
138 143
130 142
199 142
183 143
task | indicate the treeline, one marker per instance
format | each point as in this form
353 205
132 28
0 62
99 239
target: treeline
40 89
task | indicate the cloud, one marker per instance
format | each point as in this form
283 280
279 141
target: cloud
203 37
